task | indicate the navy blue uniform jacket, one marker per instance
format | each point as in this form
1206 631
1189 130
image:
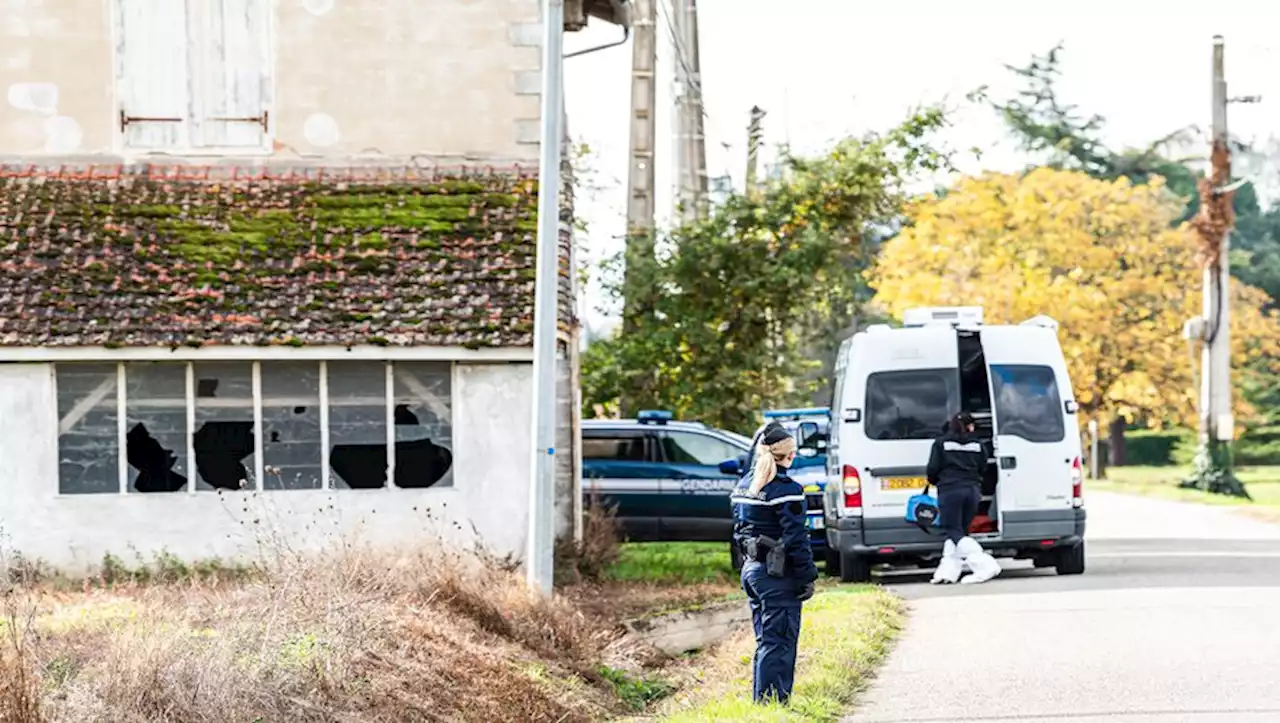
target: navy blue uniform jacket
956 459
778 512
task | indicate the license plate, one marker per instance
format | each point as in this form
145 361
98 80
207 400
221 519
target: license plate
815 522
902 483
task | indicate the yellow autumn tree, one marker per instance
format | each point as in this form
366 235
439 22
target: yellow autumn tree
1101 257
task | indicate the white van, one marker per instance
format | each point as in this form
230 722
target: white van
895 389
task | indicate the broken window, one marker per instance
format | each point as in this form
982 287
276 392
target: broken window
172 421
156 426
88 429
358 424
424 424
223 436
291 426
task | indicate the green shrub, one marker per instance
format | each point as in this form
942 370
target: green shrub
1153 448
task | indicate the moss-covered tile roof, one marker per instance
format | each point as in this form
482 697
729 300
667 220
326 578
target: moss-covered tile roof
153 256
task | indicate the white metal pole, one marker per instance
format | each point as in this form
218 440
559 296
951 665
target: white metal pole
1093 449
539 556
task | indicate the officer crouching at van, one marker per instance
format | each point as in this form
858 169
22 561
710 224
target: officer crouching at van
778 573
957 463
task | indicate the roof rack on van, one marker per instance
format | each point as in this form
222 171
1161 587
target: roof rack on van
1042 321
943 315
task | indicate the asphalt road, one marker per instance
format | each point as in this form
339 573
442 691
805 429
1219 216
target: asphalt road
1174 620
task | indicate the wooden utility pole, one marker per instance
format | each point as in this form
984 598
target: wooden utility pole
691 143
640 177
1213 464
755 138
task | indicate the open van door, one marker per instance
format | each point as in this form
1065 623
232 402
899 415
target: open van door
1036 435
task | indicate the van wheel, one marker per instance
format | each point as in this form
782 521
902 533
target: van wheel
855 568
1070 560
832 562
735 557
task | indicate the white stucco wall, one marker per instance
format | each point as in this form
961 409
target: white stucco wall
345 79
492 454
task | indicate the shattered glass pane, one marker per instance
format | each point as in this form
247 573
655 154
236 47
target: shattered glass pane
291 425
224 425
156 423
424 424
88 442
358 424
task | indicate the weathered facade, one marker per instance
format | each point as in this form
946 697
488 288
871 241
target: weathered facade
338 79
267 276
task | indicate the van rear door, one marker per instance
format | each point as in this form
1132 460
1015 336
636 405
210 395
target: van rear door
906 384
1037 441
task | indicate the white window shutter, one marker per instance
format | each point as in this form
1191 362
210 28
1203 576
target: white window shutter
153 74
234 80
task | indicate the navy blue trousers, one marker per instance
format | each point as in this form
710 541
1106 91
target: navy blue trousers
775 615
957 506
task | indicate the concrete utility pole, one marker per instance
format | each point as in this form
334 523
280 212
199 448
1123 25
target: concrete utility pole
691 144
640 177
539 562
1213 464
755 138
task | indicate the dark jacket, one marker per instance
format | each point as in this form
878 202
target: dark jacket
778 512
957 459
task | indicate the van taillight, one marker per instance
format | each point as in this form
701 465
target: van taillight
1077 483
852 486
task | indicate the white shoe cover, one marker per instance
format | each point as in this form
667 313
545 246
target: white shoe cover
983 565
950 567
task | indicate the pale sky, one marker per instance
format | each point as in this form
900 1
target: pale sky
824 69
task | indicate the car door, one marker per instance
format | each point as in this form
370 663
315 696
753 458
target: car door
695 492
621 465
1036 440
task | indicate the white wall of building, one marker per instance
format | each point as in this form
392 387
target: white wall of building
492 406
338 79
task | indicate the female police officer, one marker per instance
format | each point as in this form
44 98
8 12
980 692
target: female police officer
778 571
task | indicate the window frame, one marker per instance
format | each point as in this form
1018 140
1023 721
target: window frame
327 476
198 35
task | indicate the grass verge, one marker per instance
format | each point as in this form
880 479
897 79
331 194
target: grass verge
847 632
1263 484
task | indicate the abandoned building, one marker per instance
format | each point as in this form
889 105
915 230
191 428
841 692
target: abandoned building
266 277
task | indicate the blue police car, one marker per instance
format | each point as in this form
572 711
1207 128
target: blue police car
670 481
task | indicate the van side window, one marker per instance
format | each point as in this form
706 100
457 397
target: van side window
910 404
1027 402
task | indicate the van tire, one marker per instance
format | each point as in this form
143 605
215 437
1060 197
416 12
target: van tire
855 568
831 562
1070 560
735 557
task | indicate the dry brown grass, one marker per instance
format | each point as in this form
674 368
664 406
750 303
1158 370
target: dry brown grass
587 561
345 637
